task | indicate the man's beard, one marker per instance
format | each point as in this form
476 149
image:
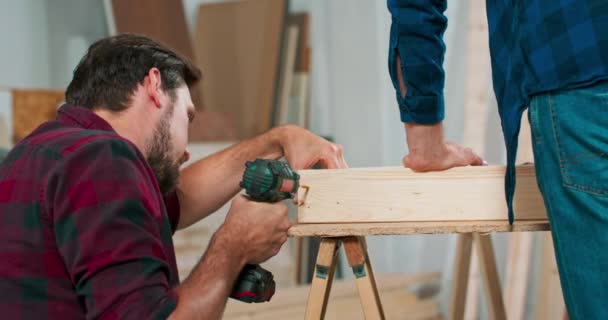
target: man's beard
160 152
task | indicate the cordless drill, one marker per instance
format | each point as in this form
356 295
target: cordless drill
264 181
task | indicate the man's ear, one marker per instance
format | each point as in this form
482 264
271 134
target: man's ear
153 85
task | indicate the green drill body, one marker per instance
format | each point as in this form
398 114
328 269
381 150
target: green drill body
264 181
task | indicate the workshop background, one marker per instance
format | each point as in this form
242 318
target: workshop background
321 64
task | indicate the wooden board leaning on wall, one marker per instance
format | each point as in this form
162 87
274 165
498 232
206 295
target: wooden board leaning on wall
32 108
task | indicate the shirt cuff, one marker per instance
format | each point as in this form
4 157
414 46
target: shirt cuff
421 109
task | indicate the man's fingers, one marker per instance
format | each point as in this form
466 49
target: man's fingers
285 225
472 158
329 163
344 165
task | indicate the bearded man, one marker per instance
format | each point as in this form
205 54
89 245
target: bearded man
89 201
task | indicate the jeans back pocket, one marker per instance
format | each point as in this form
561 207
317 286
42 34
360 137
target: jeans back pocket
580 128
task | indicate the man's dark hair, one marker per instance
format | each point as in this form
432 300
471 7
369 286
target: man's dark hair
113 67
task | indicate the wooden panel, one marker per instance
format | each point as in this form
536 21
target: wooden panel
286 77
161 20
237 46
302 21
394 228
31 108
399 194
212 126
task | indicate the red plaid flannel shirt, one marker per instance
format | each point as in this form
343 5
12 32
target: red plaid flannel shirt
84 229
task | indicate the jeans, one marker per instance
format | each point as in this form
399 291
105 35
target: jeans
570 142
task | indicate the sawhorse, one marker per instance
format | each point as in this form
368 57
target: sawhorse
351 235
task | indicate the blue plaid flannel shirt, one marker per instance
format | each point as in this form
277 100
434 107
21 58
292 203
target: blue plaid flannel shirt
536 46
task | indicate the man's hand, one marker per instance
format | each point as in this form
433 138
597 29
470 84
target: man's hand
256 230
429 151
209 183
303 149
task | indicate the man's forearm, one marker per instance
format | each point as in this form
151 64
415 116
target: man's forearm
222 172
204 293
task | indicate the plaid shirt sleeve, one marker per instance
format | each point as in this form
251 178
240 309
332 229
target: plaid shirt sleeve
109 230
417 37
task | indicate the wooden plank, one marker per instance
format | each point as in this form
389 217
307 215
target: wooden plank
364 277
399 194
404 228
496 307
31 108
460 278
322 280
287 74
302 21
237 44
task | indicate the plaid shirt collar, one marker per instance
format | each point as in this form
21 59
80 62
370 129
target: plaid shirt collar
82 117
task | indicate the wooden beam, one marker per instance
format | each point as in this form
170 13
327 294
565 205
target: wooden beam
399 194
404 228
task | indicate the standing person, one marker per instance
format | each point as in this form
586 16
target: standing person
89 201
550 56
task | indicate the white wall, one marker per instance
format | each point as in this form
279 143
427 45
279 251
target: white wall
43 40
25 47
73 25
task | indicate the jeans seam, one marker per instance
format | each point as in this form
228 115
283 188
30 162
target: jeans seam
556 137
553 222
586 189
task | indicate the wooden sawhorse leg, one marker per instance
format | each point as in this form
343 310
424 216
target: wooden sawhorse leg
496 307
358 259
322 279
